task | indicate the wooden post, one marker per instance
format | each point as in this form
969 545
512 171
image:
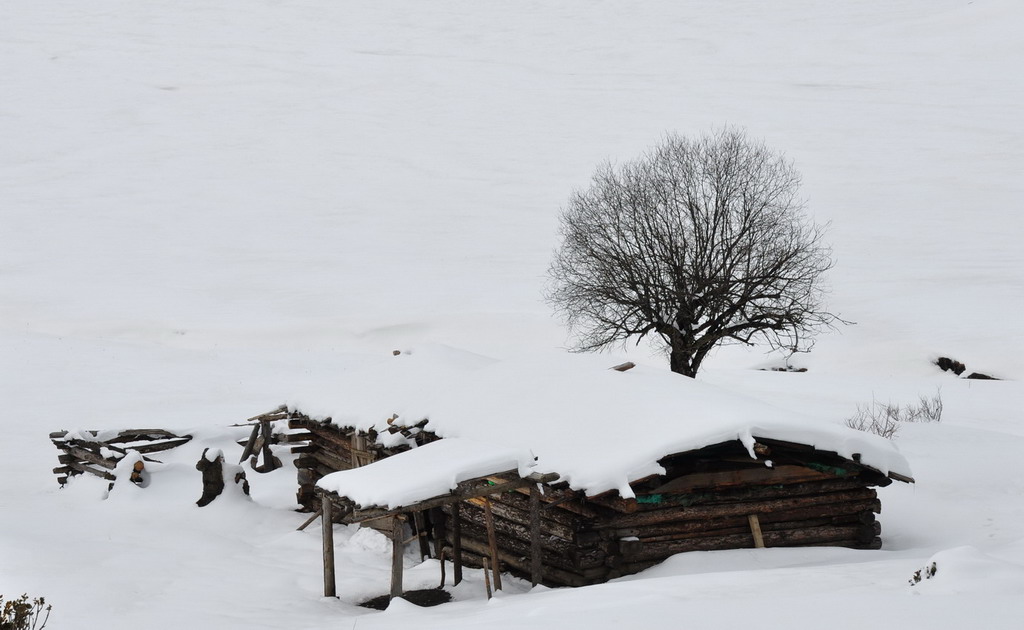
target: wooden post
456 545
536 565
487 576
492 540
421 531
755 529
330 588
441 560
397 548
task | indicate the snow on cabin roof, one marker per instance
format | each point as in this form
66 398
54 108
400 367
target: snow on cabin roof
599 429
425 472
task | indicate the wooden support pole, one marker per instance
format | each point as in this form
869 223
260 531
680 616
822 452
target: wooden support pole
441 560
397 549
536 562
755 529
330 587
456 545
492 541
420 524
487 576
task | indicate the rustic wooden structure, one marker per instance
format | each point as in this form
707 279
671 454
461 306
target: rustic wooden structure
340 509
98 453
722 496
324 448
258 444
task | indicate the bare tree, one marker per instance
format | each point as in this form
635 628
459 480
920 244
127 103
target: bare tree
700 242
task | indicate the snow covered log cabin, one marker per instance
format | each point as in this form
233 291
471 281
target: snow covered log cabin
573 474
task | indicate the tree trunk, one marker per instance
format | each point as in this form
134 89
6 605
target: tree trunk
681 360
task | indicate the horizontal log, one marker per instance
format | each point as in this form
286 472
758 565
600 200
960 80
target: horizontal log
568 500
81 467
92 458
473 512
761 476
698 512
330 434
759 493
161 446
695 512
331 460
291 438
519 548
516 506
848 511
131 435
464 491
473 551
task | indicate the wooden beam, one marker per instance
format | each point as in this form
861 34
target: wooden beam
461 493
492 542
487 576
755 529
330 586
397 549
420 525
456 530
762 475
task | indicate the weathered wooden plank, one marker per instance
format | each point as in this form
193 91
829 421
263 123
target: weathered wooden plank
456 540
762 475
474 551
492 542
81 467
463 492
755 529
92 458
522 518
571 559
851 511
330 584
697 512
397 553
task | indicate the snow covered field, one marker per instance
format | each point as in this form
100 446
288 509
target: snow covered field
211 208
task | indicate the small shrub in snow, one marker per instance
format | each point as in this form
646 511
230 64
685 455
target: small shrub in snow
884 419
24 613
924 573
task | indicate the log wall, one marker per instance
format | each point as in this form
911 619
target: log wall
324 448
799 496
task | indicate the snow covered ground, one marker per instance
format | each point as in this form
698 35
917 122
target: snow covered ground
208 209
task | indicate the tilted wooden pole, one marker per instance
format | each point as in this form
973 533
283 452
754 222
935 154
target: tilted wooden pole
492 540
